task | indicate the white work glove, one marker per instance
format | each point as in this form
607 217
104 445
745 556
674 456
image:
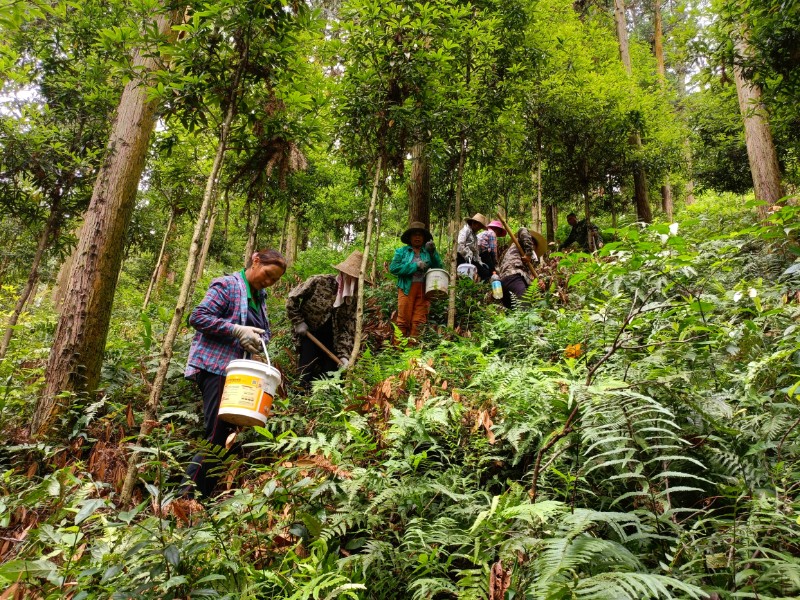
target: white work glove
345 362
249 337
430 247
301 328
422 265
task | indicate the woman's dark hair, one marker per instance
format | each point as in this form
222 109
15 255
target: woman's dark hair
268 257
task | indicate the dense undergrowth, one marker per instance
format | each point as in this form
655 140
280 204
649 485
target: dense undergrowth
635 433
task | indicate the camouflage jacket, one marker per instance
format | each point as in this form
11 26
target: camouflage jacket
312 302
511 263
580 233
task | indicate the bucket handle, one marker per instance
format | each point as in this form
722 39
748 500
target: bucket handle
264 346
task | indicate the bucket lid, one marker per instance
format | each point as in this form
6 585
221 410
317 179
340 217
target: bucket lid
244 363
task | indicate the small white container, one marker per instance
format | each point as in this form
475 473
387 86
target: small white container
436 282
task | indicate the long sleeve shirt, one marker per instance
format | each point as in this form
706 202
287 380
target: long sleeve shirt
487 242
404 265
468 244
224 305
580 234
312 302
512 263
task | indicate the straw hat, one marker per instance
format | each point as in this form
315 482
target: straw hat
541 242
351 265
416 227
478 218
498 225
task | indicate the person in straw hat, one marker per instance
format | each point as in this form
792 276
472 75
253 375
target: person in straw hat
325 306
514 272
468 245
487 244
409 265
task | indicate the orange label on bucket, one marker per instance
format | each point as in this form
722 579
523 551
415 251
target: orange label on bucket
244 391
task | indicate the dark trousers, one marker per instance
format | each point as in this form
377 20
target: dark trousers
485 273
488 258
312 362
204 470
513 286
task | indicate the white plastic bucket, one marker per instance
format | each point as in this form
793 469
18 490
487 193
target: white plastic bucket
436 282
249 390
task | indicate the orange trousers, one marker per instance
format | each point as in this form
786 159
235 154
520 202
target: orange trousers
412 310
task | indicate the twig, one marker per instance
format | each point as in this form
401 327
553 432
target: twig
565 430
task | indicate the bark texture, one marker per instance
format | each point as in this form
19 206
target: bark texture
419 186
80 336
758 137
658 49
160 267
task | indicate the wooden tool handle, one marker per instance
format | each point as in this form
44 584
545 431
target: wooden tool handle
324 348
522 254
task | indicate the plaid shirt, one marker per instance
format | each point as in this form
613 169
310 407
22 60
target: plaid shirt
224 306
487 242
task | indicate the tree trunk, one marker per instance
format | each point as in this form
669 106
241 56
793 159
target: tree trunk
419 186
658 48
376 254
456 221
33 278
252 239
201 262
185 295
79 341
757 135
284 230
154 277
538 219
363 269
292 235
552 223
643 211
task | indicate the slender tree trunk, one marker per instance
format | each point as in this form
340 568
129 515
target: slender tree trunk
538 217
757 135
9 255
187 289
552 223
33 278
376 254
362 272
419 186
292 235
252 239
154 277
451 292
284 231
79 341
227 216
201 261
658 48
643 211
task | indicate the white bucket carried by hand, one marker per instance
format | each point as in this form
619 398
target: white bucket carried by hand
249 390
436 282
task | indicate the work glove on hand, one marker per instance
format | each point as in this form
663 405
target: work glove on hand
301 328
430 247
249 337
345 362
422 265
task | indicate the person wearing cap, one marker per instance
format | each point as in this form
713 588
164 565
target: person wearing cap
231 320
487 244
409 265
325 306
514 271
468 245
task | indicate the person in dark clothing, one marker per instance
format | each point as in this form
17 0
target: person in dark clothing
325 305
230 320
514 270
583 232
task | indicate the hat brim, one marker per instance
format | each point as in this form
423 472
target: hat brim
541 243
406 237
470 221
499 230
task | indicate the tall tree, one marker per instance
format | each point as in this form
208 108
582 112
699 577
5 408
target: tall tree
640 193
419 185
79 341
658 48
761 151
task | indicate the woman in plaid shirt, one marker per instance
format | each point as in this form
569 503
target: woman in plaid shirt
231 319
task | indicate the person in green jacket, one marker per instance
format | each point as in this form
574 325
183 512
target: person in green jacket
410 263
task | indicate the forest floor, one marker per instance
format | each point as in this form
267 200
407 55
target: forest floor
634 433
